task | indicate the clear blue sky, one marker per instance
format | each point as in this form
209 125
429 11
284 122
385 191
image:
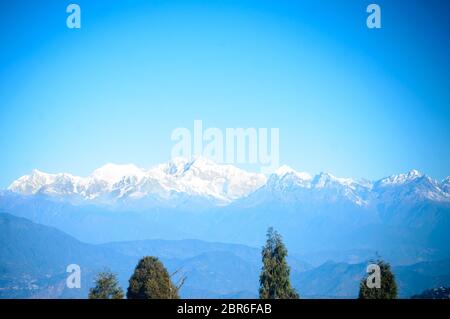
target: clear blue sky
348 100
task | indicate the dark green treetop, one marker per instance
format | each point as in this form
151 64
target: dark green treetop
151 280
388 286
274 278
106 287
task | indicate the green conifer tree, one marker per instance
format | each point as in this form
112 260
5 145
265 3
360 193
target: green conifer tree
151 280
388 287
274 279
106 287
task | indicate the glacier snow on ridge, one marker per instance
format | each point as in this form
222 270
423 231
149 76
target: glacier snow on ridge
218 184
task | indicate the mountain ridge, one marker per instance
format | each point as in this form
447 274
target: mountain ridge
219 185
404 216
34 257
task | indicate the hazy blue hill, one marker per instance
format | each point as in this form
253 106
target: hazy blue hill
185 248
418 277
330 280
341 280
33 261
220 271
405 232
40 248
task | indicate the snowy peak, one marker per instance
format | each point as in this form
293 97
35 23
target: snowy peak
323 180
113 173
201 178
286 178
31 184
289 186
286 174
412 186
285 170
175 167
401 178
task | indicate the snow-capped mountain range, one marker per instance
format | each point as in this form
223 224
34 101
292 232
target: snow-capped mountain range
196 178
405 216
219 184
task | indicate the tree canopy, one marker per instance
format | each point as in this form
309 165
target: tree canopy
151 280
274 278
388 287
106 287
